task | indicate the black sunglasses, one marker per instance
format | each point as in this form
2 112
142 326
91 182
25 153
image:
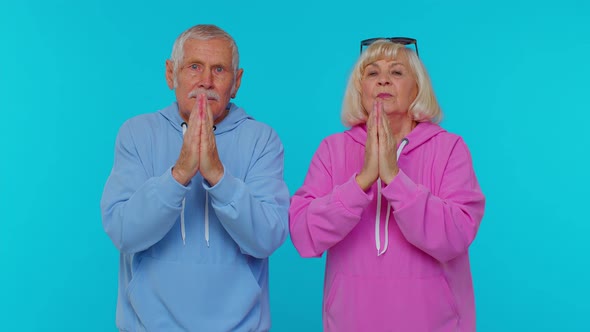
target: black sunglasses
397 40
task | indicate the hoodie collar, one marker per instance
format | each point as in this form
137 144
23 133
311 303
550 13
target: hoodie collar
421 134
235 116
172 114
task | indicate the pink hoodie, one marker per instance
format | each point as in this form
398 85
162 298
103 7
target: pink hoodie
407 270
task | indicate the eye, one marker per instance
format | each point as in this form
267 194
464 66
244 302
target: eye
397 72
371 73
219 70
194 66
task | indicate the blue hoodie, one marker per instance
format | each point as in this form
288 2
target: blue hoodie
215 278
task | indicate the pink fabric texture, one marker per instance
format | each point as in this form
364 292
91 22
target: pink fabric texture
423 281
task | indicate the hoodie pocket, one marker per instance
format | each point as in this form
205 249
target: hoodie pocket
167 295
367 303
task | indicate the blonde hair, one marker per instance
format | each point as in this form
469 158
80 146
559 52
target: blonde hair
424 108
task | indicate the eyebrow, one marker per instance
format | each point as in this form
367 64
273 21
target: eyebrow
191 61
392 64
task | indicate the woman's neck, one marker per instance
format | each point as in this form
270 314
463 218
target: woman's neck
401 125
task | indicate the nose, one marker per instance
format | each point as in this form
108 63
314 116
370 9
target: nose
383 79
206 81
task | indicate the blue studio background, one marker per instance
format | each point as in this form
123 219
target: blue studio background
511 76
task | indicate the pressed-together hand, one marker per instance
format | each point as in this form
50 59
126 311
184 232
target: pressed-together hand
211 167
199 151
387 147
380 156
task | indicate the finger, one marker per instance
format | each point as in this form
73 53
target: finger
207 135
197 108
208 122
198 115
193 127
384 135
204 126
384 121
373 117
385 129
208 115
202 100
374 134
377 111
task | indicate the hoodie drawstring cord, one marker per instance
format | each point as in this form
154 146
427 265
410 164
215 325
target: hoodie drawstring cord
207 218
380 252
182 229
377 218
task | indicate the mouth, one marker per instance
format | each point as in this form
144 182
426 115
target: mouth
384 95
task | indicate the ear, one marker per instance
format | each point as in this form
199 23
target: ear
170 74
237 83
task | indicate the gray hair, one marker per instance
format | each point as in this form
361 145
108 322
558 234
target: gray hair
202 32
424 108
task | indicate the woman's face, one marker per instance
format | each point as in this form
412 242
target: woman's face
390 80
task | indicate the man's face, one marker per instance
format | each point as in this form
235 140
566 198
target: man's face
205 68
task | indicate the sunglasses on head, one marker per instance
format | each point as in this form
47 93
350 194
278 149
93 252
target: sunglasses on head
398 40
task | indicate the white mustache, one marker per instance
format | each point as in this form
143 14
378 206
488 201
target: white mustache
208 93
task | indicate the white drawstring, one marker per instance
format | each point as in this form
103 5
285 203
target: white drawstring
380 252
207 217
377 218
182 229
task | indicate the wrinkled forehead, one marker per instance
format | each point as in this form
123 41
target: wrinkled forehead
211 48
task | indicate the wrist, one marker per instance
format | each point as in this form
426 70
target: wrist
363 182
215 176
387 180
179 176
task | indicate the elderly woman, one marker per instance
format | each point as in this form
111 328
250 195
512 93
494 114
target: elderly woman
395 202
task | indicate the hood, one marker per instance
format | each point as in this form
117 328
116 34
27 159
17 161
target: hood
423 132
232 120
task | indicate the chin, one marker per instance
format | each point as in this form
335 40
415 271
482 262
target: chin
395 112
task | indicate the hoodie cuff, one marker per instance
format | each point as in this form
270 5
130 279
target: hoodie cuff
353 197
169 190
225 189
401 191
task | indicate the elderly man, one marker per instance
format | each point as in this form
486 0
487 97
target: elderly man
196 201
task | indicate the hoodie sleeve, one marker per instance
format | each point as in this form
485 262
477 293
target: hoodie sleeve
444 225
137 209
254 211
322 214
